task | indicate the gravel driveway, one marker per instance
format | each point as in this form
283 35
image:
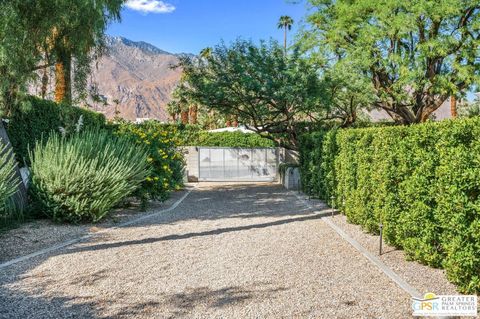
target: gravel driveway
238 251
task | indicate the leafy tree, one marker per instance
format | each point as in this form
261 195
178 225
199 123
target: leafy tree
78 31
36 34
348 95
415 53
260 86
206 52
24 27
470 109
285 22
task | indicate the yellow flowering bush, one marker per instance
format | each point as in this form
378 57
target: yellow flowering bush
164 158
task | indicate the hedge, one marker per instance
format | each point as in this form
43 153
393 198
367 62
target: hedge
36 118
422 182
194 135
231 139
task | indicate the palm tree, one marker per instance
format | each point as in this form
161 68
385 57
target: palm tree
285 22
78 33
206 53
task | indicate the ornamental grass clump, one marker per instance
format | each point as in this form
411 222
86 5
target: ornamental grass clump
80 178
8 180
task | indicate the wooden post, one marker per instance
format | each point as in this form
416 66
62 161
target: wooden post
20 197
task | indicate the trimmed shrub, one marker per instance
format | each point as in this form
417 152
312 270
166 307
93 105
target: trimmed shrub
422 182
36 118
164 158
311 154
193 135
231 139
80 178
458 202
8 180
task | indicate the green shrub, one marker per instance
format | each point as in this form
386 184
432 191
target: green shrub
193 135
37 118
422 182
81 177
230 139
8 180
164 158
311 154
458 202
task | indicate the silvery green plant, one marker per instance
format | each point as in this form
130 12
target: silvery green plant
78 127
83 176
8 180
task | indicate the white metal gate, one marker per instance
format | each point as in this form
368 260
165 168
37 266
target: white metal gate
237 164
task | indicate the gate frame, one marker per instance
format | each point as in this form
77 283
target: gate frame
277 163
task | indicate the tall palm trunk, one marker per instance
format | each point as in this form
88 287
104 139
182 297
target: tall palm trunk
43 92
453 107
63 78
45 70
193 114
184 117
285 40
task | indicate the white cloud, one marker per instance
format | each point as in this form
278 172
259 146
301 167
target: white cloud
150 6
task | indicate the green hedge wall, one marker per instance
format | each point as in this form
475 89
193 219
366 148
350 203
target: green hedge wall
422 182
193 135
37 117
231 139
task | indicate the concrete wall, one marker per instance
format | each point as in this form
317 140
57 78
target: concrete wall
191 165
291 179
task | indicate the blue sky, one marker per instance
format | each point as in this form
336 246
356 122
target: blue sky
191 25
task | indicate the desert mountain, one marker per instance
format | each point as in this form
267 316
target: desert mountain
136 78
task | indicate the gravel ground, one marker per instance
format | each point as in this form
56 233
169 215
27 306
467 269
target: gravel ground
423 278
38 234
239 251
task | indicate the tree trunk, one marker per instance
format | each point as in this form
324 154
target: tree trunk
285 40
184 117
63 78
193 114
453 107
20 197
43 92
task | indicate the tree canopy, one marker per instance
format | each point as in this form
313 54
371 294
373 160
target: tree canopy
258 85
415 54
35 34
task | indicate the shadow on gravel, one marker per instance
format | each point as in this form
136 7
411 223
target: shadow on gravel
199 234
218 298
20 299
245 201
184 304
19 305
